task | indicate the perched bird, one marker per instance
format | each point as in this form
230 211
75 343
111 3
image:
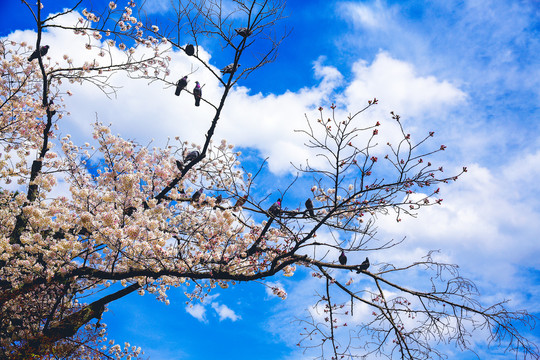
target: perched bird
42 52
219 199
343 258
130 210
197 93
309 207
243 31
180 165
197 195
275 209
180 85
191 156
241 201
190 50
364 266
229 69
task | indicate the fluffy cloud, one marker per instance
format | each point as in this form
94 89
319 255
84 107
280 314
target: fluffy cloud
224 312
484 225
398 86
198 311
266 123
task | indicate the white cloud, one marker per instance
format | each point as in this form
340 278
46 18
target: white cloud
198 311
224 312
146 111
373 16
483 224
398 88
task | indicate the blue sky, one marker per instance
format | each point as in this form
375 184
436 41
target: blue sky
468 70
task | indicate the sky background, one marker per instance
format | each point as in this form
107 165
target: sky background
468 70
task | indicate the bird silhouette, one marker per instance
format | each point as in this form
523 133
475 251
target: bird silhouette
197 195
180 85
364 266
243 31
197 93
130 210
218 199
309 207
190 50
229 69
275 209
241 201
342 258
191 156
42 52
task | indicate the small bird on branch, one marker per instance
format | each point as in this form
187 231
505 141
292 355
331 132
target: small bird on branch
191 156
275 209
180 85
229 69
243 31
342 258
309 207
197 93
364 266
39 53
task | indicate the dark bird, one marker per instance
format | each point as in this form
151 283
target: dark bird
190 50
180 85
197 93
130 210
219 199
180 165
243 31
42 52
229 69
275 209
343 258
241 201
309 207
191 156
197 195
364 266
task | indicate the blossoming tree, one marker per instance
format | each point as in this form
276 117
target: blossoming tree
134 216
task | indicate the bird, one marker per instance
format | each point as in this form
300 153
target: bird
197 93
180 165
229 69
42 52
191 156
241 201
180 85
190 50
275 209
364 266
309 207
218 199
342 258
243 31
130 210
197 195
